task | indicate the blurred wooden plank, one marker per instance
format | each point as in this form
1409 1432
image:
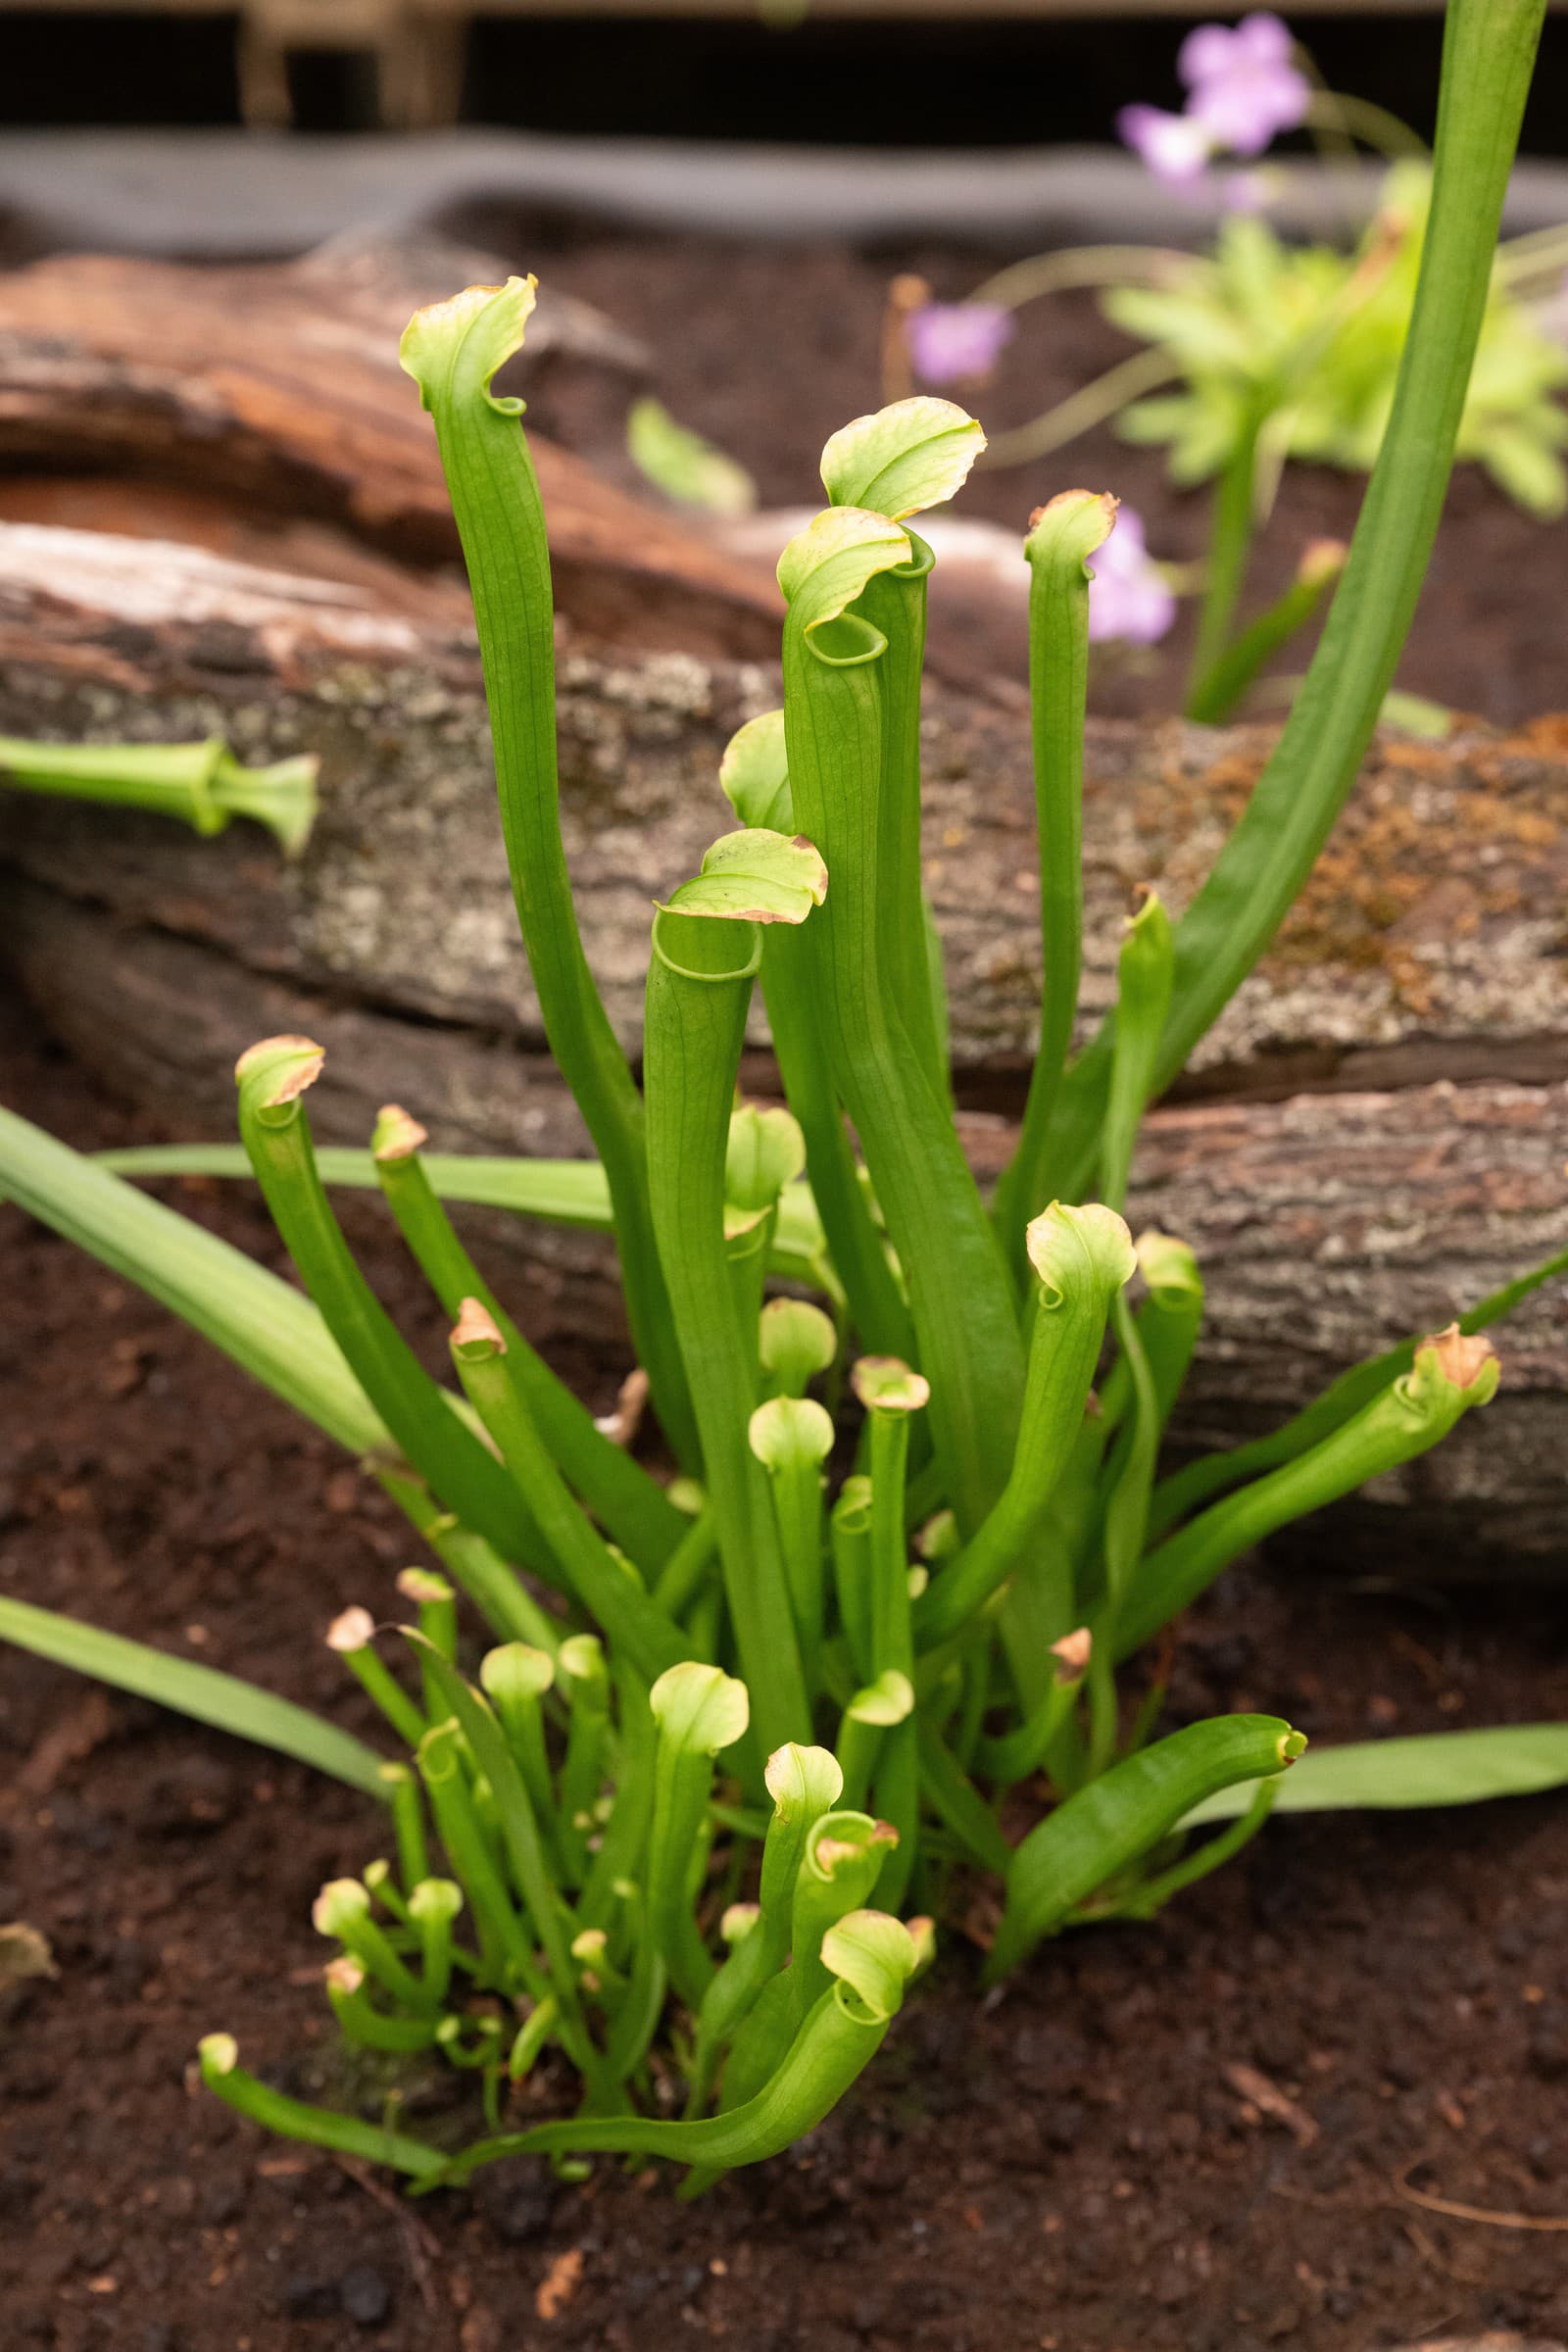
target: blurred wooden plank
980 11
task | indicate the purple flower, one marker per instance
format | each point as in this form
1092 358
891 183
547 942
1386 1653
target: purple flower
1175 147
951 341
1245 85
1129 597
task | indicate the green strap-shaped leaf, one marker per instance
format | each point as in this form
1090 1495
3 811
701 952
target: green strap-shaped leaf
264 1323
560 1191
206 1695
1437 1768
1119 1816
912 454
754 876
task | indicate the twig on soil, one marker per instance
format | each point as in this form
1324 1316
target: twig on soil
1486 2215
1253 2086
420 2244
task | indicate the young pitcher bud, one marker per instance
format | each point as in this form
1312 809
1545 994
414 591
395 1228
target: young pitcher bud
884 1384
1072 1654
477 1333
738 1922
280 1068
425 1586
218 2053
342 1903
1460 1359
353 1630
396 1136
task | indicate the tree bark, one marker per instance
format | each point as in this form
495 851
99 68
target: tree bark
1373 1136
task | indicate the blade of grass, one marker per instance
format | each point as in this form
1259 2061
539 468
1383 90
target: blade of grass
269 1329
559 1191
206 1695
1436 1768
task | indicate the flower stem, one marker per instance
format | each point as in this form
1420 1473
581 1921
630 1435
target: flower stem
1230 545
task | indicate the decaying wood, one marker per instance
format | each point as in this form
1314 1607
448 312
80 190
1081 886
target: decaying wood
1427 946
278 386
1382 1116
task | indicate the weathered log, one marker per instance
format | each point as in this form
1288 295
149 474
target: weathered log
1422 963
1427 945
278 385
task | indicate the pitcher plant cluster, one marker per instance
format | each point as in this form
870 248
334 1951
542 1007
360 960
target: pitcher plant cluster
694 1755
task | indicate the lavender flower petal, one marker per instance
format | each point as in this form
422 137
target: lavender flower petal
950 342
1245 86
1175 147
1129 597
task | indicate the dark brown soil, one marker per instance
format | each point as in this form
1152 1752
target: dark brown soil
768 350
1195 2136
